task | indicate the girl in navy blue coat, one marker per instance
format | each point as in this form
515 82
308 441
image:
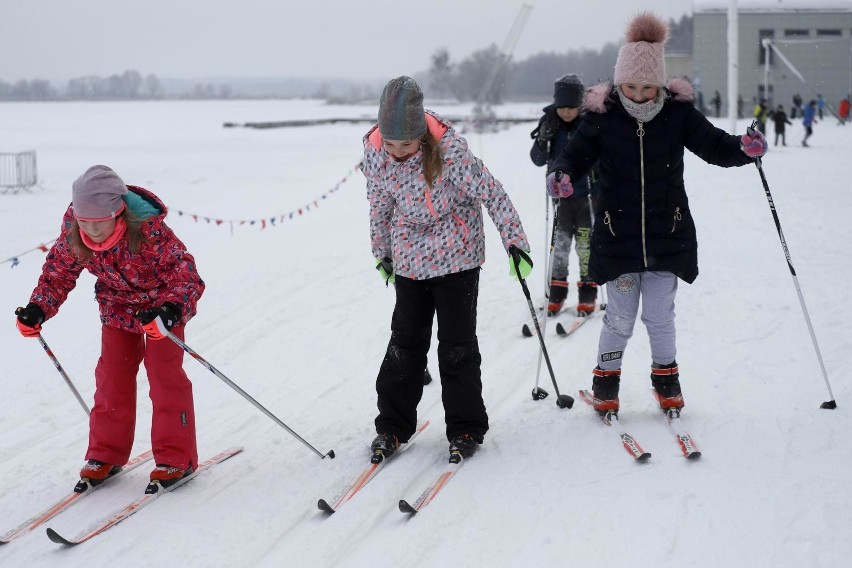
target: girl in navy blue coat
644 236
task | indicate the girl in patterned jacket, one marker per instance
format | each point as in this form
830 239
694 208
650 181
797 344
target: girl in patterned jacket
145 276
426 191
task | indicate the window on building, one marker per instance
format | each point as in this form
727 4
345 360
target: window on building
796 33
761 55
829 33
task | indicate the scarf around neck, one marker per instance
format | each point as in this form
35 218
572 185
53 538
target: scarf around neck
118 232
643 112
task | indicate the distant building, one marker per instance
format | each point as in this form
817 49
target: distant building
814 35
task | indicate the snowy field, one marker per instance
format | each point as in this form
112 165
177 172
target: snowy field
295 314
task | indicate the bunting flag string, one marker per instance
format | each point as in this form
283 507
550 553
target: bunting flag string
271 221
263 223
16 260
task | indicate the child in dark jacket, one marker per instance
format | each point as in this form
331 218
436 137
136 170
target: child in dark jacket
146 283
644 237
426 191
572 218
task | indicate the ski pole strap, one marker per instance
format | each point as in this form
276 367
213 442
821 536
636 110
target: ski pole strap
518 255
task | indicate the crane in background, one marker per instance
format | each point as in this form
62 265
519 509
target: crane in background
483 116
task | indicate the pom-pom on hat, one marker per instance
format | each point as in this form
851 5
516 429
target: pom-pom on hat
568 92
641 58
96 195
401 114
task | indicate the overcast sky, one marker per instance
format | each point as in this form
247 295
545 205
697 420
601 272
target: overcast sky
373 39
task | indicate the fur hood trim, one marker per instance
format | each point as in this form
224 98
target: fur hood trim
595 100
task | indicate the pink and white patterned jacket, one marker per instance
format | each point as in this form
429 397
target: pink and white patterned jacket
161 271
430 232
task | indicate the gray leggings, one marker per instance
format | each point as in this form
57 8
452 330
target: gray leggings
657 291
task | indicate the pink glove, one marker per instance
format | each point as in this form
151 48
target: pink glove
753 143
559 184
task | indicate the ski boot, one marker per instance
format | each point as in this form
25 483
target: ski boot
556 296
462 446
94 473
587 295
165 476
383 447
666 382
605 388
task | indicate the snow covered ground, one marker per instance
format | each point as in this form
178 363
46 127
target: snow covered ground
296 316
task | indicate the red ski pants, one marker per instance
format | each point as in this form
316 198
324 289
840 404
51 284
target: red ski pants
112 422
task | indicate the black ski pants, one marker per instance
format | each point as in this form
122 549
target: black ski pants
400 381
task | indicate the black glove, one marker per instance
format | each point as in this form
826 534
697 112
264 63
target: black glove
545 133
30 320
31 316
168 312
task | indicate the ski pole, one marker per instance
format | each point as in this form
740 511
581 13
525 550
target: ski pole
230 383
562 400
829 404
539 393
63 373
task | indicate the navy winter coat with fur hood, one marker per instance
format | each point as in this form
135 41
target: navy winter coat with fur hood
644 223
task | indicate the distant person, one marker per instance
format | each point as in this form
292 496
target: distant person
808 120
820 101
740 106
843 109
779 117
717 103
644 239
572 217
796 110
426 191
146 280
761 113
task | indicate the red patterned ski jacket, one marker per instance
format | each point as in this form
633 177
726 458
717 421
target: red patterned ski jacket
161 271
430 232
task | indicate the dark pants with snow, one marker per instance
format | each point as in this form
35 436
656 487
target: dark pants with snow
573 222
112 423
400 380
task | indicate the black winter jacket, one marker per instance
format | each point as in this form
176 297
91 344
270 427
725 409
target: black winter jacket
644 225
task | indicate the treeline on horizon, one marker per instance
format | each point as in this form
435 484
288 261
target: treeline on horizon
486 76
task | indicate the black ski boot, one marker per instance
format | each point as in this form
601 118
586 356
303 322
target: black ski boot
383 447
666 382
556 296
605 388
587 295
462 446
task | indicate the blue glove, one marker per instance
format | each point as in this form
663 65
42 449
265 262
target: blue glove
520 263
753 143
385 268
559 185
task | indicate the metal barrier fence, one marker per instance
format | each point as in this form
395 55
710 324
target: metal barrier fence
18 172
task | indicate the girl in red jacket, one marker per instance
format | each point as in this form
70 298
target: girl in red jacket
144 273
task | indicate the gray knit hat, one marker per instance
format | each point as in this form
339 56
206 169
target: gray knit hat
568 92
401 114
96 195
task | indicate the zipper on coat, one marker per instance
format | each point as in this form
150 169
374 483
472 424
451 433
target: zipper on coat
608 222
640 132
463 225
677 217
427 193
